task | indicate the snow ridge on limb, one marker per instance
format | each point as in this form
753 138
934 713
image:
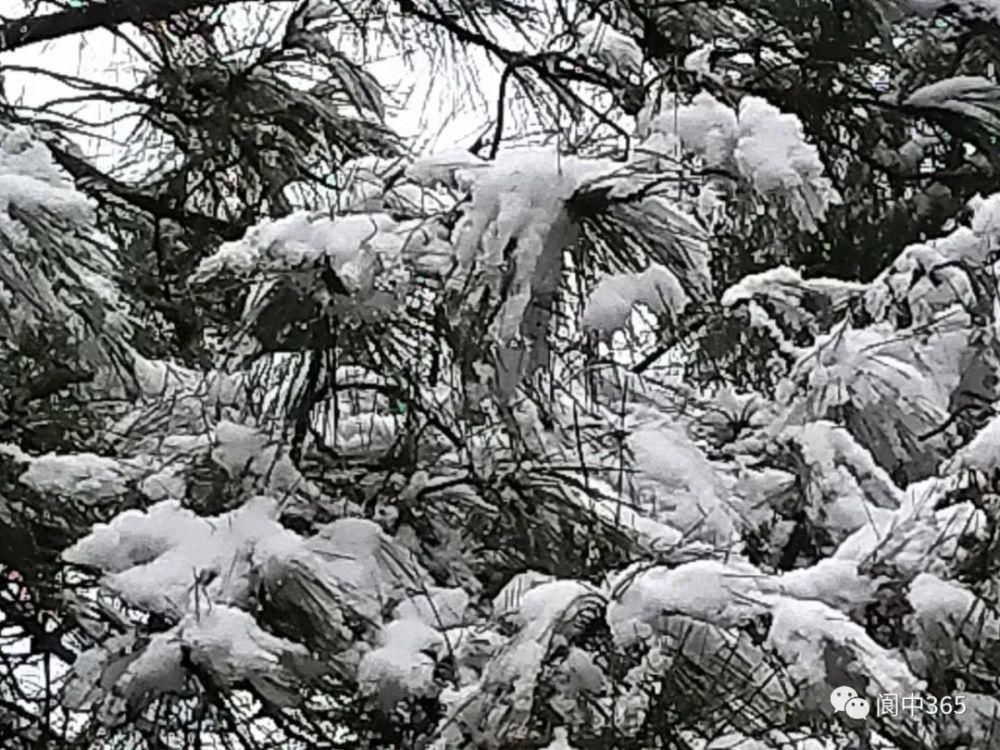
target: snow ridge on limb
756 143
748 559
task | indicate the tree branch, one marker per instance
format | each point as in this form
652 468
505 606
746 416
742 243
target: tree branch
85 173
95 15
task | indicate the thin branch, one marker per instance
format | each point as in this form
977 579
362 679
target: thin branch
96 15
82 171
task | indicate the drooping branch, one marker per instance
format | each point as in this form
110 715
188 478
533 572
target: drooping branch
159 208
96 14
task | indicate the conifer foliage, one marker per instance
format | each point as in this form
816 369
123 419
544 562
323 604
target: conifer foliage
647 420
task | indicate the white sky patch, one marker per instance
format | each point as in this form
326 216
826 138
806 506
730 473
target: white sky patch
426 107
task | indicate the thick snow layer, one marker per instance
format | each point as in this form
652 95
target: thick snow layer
931 276
167 559
34 195
546 606
834 582
94 479
135 537
677 485
707 590
914 538
938 285
982 453
796 302
803 630
949 92
946 609
786 285
986 216
549 615
30 179
440 608
85 476
370 567
781 282
404 665
454 168
512 595
157 669
350 245
700 61
772 152
376 605
848 487
247 453
232 646
516 206
511 235
659 536
227 643
615 296
767 147
705 127
872 370
57 272
616 52
203 573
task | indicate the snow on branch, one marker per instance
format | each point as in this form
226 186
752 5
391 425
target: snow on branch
764 146
92 15
615 52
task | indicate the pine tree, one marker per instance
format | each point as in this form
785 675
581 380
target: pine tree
651 419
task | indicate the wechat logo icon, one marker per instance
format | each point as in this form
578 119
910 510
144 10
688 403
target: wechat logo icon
846 699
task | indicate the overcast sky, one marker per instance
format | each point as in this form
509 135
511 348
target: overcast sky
443 114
